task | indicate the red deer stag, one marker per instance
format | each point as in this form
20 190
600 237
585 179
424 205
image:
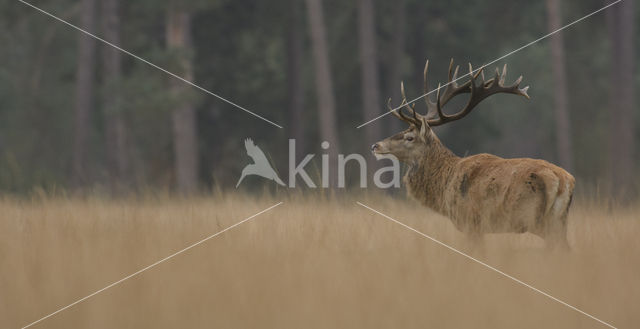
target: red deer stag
481 193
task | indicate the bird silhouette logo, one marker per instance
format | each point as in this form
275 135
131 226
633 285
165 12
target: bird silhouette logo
260 167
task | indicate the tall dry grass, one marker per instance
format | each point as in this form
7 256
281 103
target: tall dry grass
304 264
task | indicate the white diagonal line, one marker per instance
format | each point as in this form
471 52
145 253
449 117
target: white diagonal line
493 61
152 265
151 64
486 265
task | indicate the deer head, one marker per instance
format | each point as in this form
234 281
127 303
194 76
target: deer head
411 144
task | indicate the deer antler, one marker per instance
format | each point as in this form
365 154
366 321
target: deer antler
414 118
435 115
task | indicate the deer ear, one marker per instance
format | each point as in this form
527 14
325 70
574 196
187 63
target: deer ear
424 127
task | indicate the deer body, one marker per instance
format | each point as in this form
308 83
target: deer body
482 193
487 194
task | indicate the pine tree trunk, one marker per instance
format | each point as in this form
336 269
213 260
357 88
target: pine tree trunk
294 78
324 84
622 103
420 42
371 105
183 116
116 135
561 95
84 94
395 63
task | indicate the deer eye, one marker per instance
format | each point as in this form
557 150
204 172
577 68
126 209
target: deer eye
409 138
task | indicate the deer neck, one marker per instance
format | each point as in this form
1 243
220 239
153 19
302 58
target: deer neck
428 176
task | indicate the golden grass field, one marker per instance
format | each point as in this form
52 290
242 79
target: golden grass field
309 263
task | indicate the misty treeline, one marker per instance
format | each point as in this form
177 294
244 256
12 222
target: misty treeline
76 114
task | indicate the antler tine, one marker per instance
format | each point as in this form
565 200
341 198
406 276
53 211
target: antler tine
473 77
477 73
415 115
472 98
439 105
398 112
431 106
404 99
518 80
455 76
411 120
391 109
495 79
452 88
425 86
411 108
513 89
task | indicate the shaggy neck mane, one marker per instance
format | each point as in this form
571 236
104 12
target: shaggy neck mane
427 178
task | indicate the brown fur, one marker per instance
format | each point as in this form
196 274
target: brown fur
484 193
